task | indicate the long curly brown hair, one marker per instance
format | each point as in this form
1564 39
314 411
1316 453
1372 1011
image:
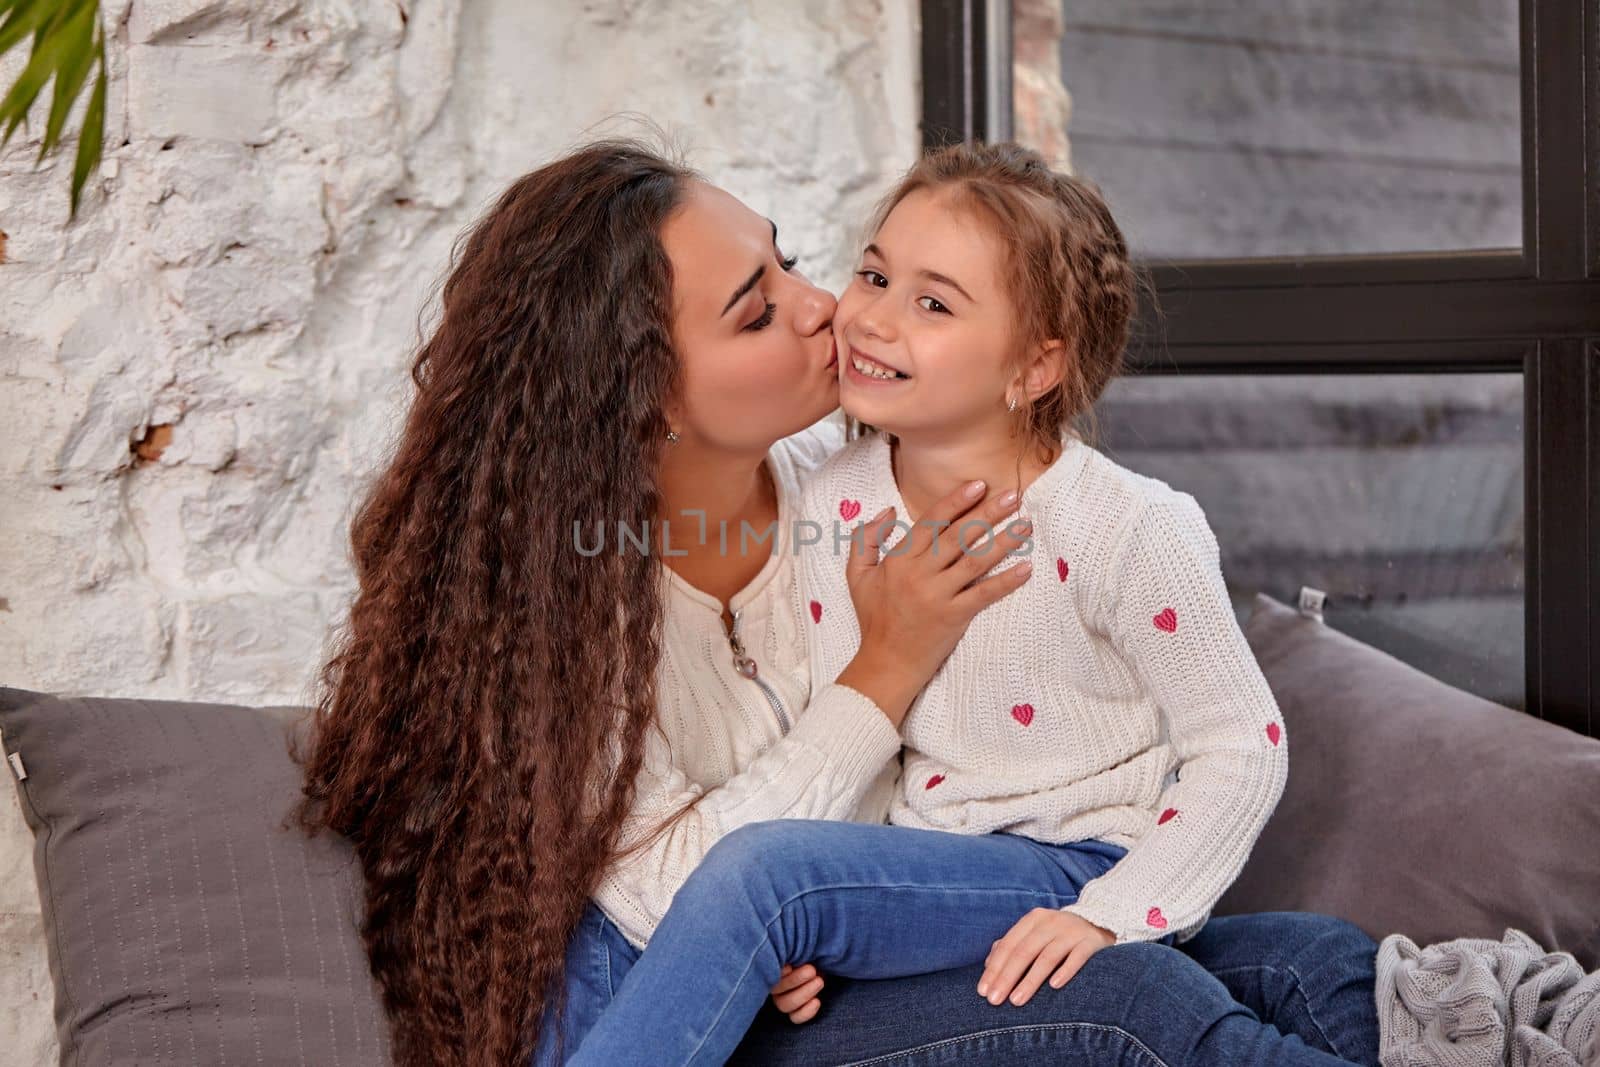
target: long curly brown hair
481 720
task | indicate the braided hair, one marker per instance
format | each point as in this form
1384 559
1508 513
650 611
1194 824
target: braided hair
1067 261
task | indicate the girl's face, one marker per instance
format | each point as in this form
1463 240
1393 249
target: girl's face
927 302
752 333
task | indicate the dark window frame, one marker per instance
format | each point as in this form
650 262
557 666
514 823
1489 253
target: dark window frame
1536 311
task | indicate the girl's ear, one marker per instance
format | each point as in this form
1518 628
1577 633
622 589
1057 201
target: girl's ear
1045 370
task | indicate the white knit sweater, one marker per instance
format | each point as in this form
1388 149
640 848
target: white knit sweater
1067 706
756 749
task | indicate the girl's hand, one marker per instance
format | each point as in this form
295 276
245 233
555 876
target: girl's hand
1043 940
796 993
914 604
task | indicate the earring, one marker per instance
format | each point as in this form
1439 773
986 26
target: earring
672 435
1012 406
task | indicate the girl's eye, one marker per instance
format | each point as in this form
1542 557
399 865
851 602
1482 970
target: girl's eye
872 278
765 320
788 263
934 305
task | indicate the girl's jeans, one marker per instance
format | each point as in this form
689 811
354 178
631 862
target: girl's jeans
872 905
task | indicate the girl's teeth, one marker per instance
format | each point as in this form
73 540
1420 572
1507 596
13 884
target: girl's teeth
873 371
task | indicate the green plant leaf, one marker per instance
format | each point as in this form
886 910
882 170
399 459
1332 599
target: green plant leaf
79 33
93 129
67 41
26 16
49 49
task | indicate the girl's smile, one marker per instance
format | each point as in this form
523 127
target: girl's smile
927 311
862 369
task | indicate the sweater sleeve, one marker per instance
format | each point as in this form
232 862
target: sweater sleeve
821 769
1166 610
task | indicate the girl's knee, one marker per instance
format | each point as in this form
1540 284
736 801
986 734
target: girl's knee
1143 965
752 848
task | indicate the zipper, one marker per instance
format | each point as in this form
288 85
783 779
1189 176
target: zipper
747 669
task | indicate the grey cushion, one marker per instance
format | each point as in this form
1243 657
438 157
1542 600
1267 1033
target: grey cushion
1413 807
184 924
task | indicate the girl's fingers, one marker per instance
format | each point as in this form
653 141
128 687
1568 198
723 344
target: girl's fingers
1018 949
994 966
807 1012
1049 957
1074 963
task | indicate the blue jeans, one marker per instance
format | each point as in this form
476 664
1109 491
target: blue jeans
873 905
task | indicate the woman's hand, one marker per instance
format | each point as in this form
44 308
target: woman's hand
796 993
1043 940
914 604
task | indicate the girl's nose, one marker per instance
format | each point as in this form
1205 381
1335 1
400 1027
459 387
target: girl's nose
875 321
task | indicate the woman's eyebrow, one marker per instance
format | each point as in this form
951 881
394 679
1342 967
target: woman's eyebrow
931 275
750 282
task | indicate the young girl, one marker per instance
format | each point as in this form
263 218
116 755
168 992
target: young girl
1100 749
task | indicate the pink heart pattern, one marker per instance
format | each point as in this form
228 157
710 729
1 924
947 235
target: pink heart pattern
849 509
816 611
1274 732
1061 568
1154 918
1167 816
935 780
1167 620
1023 713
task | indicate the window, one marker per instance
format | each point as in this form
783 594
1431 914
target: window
1373 236
1258 128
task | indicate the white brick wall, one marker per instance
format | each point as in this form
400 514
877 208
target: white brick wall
281 185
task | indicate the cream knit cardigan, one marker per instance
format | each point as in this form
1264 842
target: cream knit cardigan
1066 708
757 749
793 743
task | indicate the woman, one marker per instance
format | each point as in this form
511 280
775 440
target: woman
533 729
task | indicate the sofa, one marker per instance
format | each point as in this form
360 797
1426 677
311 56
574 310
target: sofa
186 922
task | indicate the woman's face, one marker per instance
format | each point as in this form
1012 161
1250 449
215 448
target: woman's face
927 302
753 334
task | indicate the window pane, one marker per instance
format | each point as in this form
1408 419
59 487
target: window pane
1224 128
1401 496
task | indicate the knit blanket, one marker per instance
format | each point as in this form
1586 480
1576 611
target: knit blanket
1473 1002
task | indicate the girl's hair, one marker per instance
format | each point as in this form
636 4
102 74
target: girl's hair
481 723
1066 262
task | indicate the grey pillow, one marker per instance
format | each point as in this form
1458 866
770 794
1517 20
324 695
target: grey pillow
184 924
1413 807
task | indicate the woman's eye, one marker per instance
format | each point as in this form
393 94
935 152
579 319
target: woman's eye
934 305
872 278
789 262
765 320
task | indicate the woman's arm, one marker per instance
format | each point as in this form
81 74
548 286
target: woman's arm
913 607
820 769
1167 611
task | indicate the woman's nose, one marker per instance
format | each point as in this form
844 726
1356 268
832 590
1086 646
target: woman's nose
816 310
